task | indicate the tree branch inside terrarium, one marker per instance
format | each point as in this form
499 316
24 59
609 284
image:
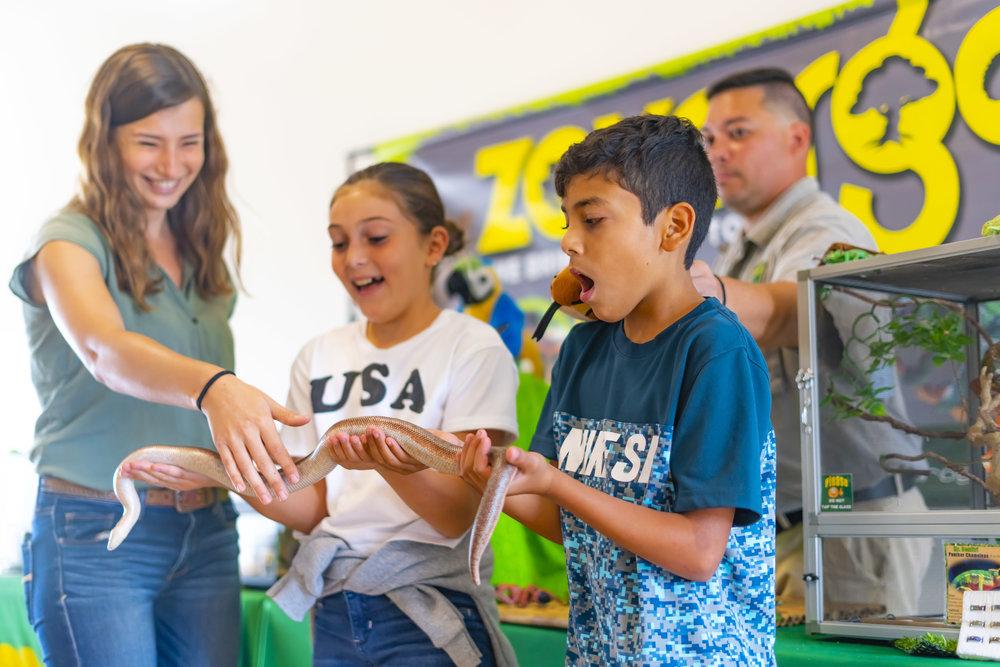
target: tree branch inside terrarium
939 329
932 325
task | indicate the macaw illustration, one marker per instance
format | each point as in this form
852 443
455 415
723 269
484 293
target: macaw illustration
468 283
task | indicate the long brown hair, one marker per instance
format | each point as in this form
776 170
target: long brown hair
136 81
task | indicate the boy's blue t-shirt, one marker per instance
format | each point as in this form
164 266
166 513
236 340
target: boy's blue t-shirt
676 424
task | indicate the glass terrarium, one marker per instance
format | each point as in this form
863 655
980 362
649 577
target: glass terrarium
898 411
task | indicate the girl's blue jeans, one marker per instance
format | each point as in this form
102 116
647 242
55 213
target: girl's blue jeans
352 629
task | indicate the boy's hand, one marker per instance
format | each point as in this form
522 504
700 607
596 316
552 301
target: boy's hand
387 453
534 472
474 461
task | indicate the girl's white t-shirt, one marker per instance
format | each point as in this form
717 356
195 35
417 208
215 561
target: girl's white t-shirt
456 375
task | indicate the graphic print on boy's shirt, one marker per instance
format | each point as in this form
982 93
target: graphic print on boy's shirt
626 609
584 451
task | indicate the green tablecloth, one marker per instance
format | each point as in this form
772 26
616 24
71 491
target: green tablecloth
794 649
18 643
271 638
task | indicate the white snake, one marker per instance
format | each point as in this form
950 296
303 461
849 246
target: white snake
425 447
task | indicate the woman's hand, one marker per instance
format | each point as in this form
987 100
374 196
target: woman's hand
241 418
167 476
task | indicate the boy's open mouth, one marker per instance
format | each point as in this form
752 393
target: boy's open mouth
365 285
586 285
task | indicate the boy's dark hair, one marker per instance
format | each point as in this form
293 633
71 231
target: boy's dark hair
659 159
778 86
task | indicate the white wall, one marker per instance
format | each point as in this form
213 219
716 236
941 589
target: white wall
297 85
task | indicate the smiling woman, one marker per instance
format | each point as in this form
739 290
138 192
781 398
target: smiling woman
162 154
127 305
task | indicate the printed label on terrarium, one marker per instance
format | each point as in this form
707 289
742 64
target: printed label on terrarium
838 493
969 567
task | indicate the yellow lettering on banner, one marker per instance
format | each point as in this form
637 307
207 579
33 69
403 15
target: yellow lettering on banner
694 108
922 123
815 79
661 107
977 52
607 120
543 211
502 230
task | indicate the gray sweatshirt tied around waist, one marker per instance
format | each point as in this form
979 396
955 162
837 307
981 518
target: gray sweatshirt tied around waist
409 574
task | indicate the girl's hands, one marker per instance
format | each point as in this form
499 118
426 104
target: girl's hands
534 475
375 451
241 418
167 476
349 451
388 455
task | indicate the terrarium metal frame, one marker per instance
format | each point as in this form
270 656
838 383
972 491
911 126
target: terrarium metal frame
972 278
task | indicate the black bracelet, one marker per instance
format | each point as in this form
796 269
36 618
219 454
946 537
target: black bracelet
211 381
722 286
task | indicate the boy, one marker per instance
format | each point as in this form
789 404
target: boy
658 425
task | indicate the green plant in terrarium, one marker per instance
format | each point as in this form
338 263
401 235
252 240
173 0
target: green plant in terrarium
888 326
939 329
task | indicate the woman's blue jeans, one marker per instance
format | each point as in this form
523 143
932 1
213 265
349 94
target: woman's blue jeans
169 595
351 629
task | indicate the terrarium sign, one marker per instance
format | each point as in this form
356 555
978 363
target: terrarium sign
970 567
838 493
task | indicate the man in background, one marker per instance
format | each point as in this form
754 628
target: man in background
758 134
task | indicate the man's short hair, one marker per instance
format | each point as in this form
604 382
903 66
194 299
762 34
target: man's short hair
778 86
659 159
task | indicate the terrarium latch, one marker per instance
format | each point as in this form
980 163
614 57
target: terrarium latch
804 380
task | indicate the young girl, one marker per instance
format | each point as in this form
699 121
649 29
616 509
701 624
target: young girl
127 305
386 555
